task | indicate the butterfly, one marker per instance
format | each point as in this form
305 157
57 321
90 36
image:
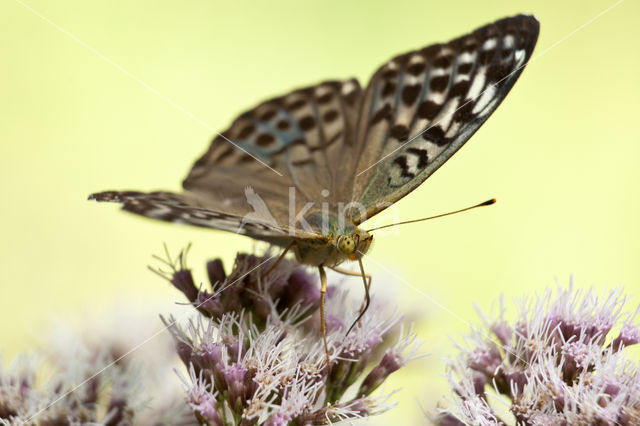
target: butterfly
303 171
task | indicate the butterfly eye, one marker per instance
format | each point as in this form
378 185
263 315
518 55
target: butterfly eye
346 244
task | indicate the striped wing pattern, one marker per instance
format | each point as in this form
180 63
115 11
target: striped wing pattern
422 106
303 135
177 208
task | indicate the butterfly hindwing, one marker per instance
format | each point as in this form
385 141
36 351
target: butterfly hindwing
178 208
421 107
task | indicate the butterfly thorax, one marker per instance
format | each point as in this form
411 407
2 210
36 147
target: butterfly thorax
338 240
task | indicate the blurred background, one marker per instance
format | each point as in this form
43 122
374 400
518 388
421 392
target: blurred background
116 94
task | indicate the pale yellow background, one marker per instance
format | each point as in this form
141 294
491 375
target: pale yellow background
561 154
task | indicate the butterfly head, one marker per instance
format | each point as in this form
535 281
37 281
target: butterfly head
354 245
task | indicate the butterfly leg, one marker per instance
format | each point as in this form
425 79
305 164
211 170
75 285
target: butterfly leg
366 279
277 262
323 328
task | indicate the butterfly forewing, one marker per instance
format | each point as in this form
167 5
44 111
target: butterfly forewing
421 107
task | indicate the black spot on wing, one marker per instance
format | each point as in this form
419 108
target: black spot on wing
296 105
307 123
465 68
435 134
265 139
325 98
246 131
330 116
428 109
388 90
439 84
410 93
460 89
416 68
383 114
399 132
423 158
401 162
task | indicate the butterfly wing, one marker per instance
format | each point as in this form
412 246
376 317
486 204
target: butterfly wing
421 107
180 208
417 111
299 136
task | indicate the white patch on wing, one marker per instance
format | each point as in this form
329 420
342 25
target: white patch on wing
466 58
293 98
411 80
445 51
418 126
485 98
453 130
447 113
433 150
489 44
508 41
195 213
299 153
489 107
348 87
391 66
322 90
416 59
436 97
412 163
437 72
478 83
159 209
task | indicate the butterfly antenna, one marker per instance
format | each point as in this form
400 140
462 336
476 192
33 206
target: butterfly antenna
486 203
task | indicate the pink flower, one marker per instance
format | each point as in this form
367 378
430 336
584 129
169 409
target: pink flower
556 369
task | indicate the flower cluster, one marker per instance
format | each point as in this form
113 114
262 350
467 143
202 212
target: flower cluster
255 355
285 287
83 385
563 362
